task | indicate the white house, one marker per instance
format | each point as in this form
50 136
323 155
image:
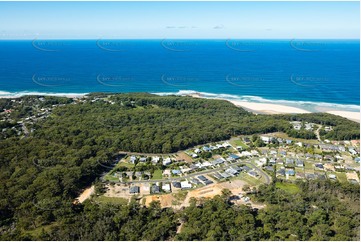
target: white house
186 185
167 161
166 187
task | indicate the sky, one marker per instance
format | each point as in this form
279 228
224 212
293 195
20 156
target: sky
183 20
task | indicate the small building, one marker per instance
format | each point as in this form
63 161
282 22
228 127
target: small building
186 185
281 172
332 176
166 187
176 172
206 149
134 190
289 161
202 178
234 157
232 171
217 175
167 161
299 163
269 168
143 159
290 172
253 173
225 175
133 159
218 161
176 184
246 140
246 168
194 181
155 189
155 159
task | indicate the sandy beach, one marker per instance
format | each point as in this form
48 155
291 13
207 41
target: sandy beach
354 116
269 108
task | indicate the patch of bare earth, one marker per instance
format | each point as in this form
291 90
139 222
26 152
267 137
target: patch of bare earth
85 194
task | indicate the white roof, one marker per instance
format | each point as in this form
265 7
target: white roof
166 187
185 184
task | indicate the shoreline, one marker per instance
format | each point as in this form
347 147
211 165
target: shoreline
254 107
271 108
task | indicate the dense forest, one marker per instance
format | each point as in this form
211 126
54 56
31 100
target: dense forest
41 174
320 210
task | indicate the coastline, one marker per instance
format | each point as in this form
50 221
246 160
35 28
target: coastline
251 106
271 108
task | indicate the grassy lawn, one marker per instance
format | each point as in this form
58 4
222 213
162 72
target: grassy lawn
288 187
238 142
309 166
157 174
111 178
341 176
125 164
112 200
247 178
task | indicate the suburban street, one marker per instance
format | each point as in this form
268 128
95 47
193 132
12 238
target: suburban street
262 174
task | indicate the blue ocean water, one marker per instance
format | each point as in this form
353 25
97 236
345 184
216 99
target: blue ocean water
294 71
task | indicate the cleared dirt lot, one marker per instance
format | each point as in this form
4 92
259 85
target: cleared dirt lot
172 200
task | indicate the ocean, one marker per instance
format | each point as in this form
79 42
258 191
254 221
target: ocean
296 72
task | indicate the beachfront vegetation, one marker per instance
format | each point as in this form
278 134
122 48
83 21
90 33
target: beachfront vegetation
41 174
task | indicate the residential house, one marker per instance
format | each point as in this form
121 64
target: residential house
288 141
155 189
226 144
299 163
155 159
290 172
176 184
266 139
332 176
167 161
218 161
232 171
166 187
176 172
269 168
133 159
281 172
246 140
253 173
134 190
319 166
246 168
225 174
194 181
289 162
279 161
234 157
217 175
186 185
